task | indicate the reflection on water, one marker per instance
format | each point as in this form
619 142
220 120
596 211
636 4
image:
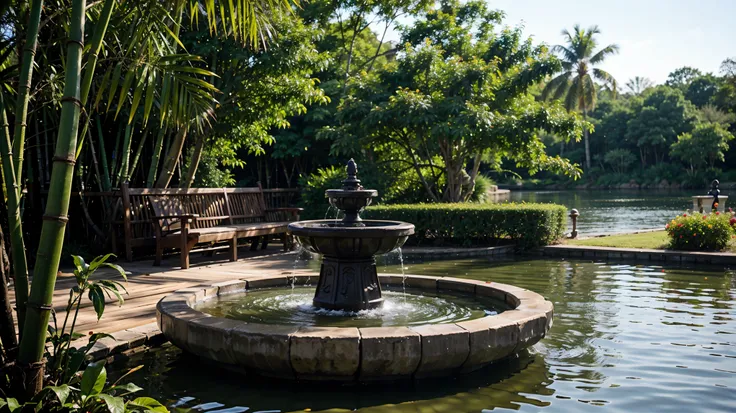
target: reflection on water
615 210
626 338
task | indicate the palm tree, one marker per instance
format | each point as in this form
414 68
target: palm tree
638 84
575 83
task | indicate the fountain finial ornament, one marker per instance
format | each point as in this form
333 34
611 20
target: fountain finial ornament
714 191
352 183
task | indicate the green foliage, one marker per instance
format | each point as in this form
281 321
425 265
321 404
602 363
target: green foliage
63 360
706 145
702 90
619 159
313 198
664 115
88 393
527 225
700 232
483 186
210 172
460 91
681 78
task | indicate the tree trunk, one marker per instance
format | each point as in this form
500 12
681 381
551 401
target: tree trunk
15 224
24 87
33 339
587 142
193 164
172 159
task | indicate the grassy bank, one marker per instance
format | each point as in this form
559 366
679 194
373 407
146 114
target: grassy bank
649 240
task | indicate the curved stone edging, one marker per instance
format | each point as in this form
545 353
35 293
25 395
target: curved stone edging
639 254
351 353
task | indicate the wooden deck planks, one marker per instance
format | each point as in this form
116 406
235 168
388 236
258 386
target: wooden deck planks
148 284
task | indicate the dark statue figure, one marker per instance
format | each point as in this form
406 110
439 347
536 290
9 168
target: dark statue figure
714 191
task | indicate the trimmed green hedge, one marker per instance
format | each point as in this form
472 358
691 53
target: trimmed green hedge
527 225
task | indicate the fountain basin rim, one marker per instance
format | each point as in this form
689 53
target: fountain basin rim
372 229
352 353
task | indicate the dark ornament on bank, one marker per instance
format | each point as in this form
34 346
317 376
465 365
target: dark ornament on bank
348 279
714 191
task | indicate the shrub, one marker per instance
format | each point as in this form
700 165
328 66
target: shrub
528 225
313 191
700 232
483 186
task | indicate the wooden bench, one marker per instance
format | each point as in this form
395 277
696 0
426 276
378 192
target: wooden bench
181 219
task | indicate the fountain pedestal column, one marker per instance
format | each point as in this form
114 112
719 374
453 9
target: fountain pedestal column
348 284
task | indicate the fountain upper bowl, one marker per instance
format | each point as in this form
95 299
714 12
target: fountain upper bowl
335 239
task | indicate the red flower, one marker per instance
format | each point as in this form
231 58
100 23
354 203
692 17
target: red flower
705 217
718 213
684 215
667 226
680 236
732 221
679 225
695 235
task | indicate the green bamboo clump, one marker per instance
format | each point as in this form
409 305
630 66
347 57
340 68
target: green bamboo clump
57 208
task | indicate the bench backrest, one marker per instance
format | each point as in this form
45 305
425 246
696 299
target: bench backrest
215 206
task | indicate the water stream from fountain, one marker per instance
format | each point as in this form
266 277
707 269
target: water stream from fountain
403 273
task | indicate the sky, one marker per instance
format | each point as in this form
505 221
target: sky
655 36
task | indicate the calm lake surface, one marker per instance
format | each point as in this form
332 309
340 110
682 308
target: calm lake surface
616 210
626 338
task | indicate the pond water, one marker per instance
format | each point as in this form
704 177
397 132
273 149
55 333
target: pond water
626 338
616 210
400 308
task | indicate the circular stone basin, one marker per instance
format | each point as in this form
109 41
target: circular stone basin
349 353
289 306
335 239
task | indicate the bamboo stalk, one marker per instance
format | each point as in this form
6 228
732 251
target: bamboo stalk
12 193
41 182
116 153
24 87
188 180
57 208
157 148
122 175
138 152
172 158
7 325
106 185
91 63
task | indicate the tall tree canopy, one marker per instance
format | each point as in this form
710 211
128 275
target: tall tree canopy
458 96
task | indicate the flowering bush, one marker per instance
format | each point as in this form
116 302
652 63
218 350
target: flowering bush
701 231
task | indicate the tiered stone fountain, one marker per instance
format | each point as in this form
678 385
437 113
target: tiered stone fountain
348 330
348 279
